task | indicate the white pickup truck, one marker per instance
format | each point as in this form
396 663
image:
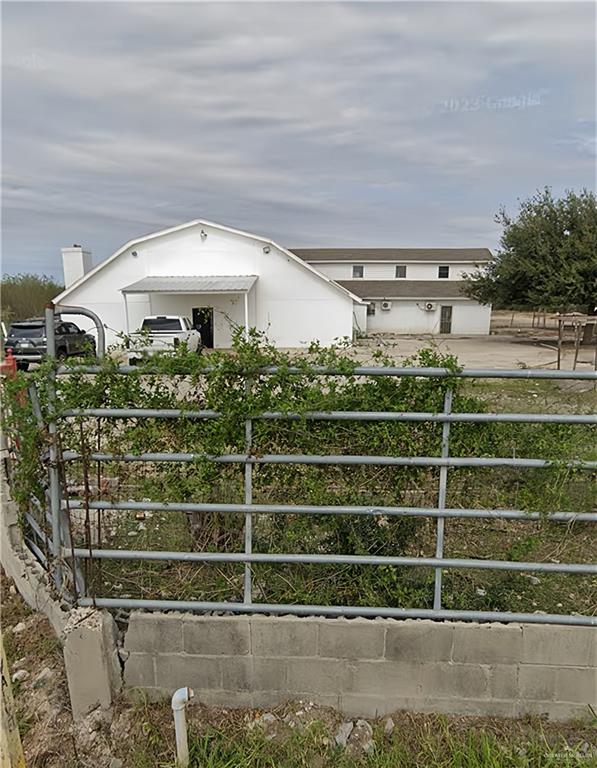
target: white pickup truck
161 333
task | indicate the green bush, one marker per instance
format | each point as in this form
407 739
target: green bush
235 385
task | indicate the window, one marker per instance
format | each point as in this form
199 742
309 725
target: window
25 331
357 270
371 308
72 328
161 324
443 272
400 270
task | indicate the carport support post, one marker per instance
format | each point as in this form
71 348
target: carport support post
247 314
54 476
441 501
126 314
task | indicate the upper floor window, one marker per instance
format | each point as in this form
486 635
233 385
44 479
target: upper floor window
443 271
357 270
400 270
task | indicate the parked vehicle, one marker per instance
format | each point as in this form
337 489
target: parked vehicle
160 333
28 341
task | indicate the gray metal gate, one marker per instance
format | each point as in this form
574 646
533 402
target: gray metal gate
62 551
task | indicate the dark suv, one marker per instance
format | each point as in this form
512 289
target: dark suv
27 339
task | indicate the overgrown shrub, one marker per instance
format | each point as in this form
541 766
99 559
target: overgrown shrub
235 385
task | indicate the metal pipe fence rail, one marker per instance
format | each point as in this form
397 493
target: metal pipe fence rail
62 551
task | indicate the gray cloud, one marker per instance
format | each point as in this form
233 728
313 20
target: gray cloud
314 123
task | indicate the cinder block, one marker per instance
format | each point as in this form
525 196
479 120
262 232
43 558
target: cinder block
351 639
391 679
487 643
232 699
487 707
420 641
362 705
144 695
321 699
216 635
316 676
267 699
578 685
177 671
556 711
90 660
269 674
460 681
154 633
559 645
283 636
537 682
139 671
503 681
237 673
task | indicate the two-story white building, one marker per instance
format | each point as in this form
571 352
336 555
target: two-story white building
407 290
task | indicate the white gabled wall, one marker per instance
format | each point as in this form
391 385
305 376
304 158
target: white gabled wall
407 316
292 304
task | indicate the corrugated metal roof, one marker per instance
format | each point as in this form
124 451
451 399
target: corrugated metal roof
405 289
468 255
192 284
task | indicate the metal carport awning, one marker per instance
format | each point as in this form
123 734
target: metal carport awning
192 284
185 284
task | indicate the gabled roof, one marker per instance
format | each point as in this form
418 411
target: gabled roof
406 289
452 255
200 222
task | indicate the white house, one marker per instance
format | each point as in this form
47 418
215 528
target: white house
219 277
407 290
222 277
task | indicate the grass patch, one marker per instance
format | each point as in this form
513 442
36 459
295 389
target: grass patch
222 739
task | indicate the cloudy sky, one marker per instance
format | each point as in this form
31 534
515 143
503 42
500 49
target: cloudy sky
363 124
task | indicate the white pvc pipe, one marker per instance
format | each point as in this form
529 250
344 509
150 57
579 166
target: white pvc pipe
180 699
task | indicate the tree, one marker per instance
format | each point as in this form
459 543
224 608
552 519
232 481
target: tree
25 295
547 256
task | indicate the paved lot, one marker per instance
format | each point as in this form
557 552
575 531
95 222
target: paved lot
480 351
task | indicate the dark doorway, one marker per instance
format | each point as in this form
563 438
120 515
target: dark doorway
445 320
203 321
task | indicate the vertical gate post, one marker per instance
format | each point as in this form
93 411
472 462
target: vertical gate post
441 501
248 598
54 475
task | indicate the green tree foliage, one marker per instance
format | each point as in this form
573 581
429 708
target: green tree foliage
25 295
547 258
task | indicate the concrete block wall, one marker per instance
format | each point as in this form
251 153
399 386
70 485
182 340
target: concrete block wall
366 667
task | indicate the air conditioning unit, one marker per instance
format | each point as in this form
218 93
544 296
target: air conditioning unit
429 306
386 306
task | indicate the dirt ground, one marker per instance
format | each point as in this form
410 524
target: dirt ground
479 352
517 340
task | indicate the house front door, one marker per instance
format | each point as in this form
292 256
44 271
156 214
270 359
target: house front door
445 320
203 321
